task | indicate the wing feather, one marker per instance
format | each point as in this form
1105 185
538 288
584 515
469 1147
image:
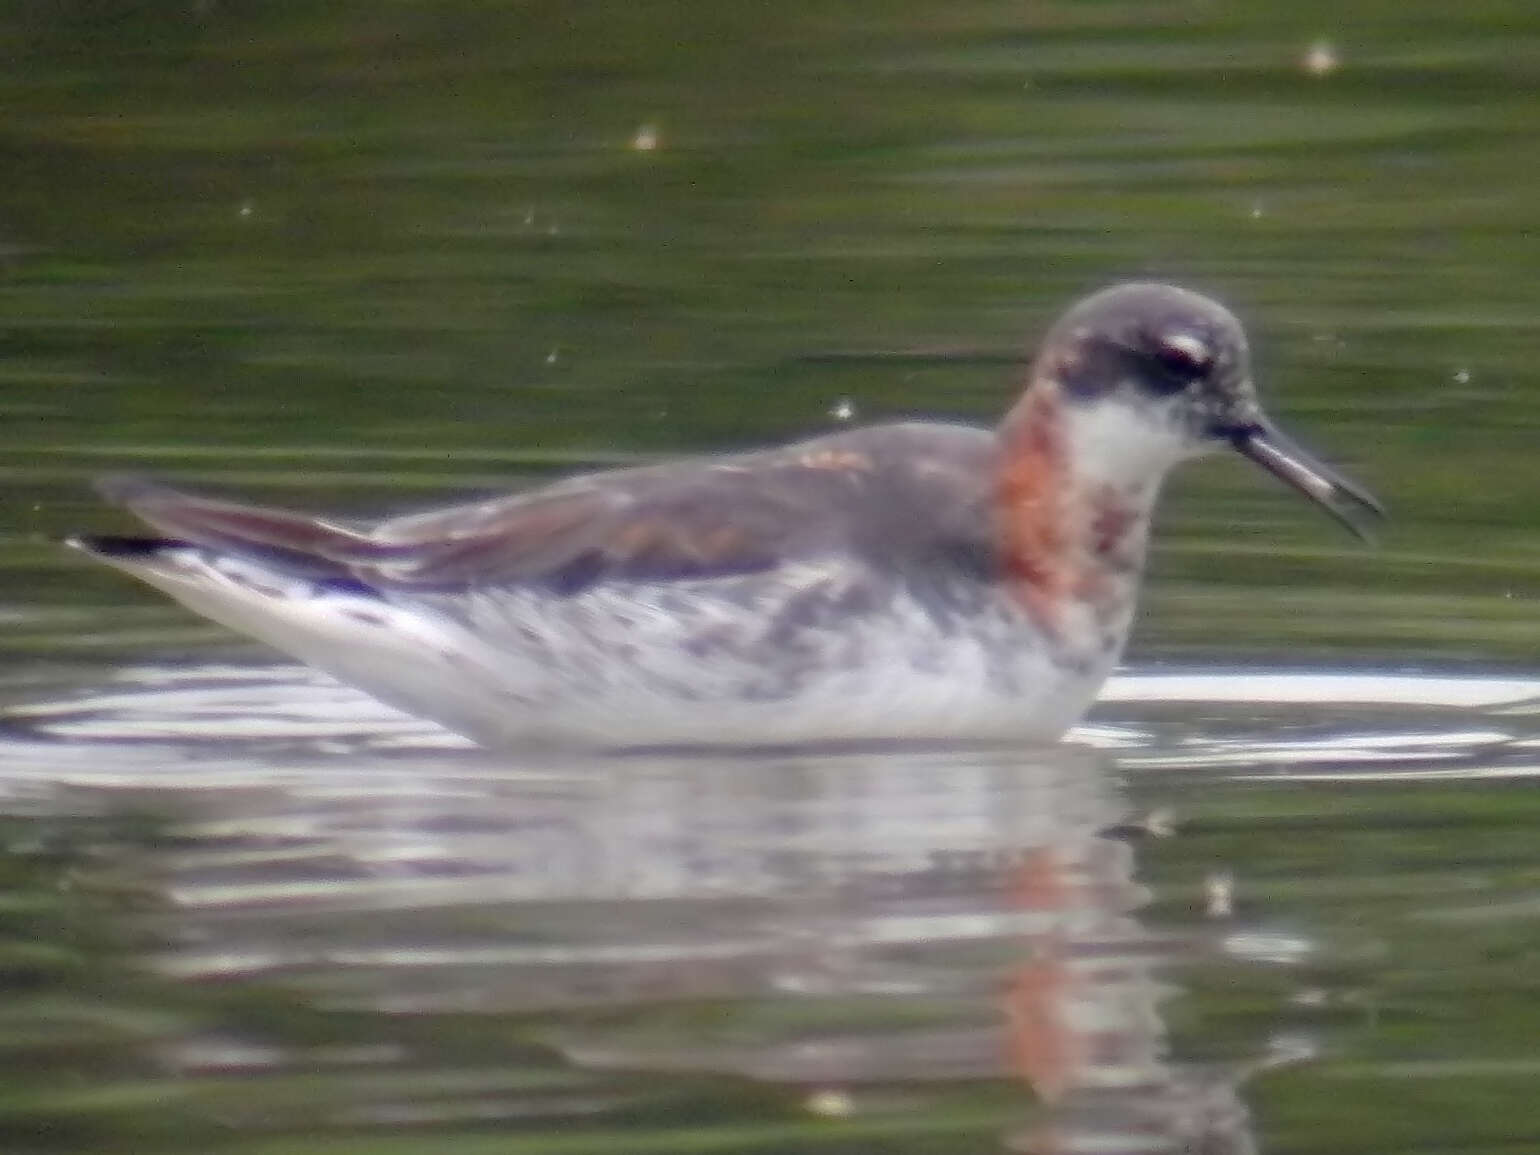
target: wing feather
708 518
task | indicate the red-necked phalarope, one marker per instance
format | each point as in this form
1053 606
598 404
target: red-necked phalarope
905 581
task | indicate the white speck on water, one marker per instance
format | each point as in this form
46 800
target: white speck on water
1160 823
1462 376
1257 211
1291 1047
831 1103
1320 59
246 209
1269 947
843 409
645 139
1219 894
553 356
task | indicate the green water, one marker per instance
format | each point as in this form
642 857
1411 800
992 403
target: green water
361 257
366 255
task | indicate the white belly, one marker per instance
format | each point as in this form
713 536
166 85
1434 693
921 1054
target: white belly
810 654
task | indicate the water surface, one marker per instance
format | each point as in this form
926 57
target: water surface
1279 892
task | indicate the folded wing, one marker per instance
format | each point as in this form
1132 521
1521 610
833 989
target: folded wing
718 517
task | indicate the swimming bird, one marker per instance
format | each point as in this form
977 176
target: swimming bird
906 581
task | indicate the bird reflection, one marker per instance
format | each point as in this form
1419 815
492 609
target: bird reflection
899 937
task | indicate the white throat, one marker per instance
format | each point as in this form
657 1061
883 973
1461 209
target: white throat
1120 446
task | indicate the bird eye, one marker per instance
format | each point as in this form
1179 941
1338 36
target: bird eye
1184 356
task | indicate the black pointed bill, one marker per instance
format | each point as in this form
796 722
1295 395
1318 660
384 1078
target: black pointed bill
1351 504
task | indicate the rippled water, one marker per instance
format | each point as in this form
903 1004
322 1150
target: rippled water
353 927
1278 892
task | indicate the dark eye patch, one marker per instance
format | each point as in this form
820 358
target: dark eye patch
1162 364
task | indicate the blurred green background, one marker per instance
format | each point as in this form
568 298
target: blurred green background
366 256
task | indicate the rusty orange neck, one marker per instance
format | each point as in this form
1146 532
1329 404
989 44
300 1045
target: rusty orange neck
1069 542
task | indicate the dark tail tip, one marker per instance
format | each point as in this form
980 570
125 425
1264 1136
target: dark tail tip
121 548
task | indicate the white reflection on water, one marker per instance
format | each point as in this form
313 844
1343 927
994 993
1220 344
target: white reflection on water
295 705
1312 687
857 920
